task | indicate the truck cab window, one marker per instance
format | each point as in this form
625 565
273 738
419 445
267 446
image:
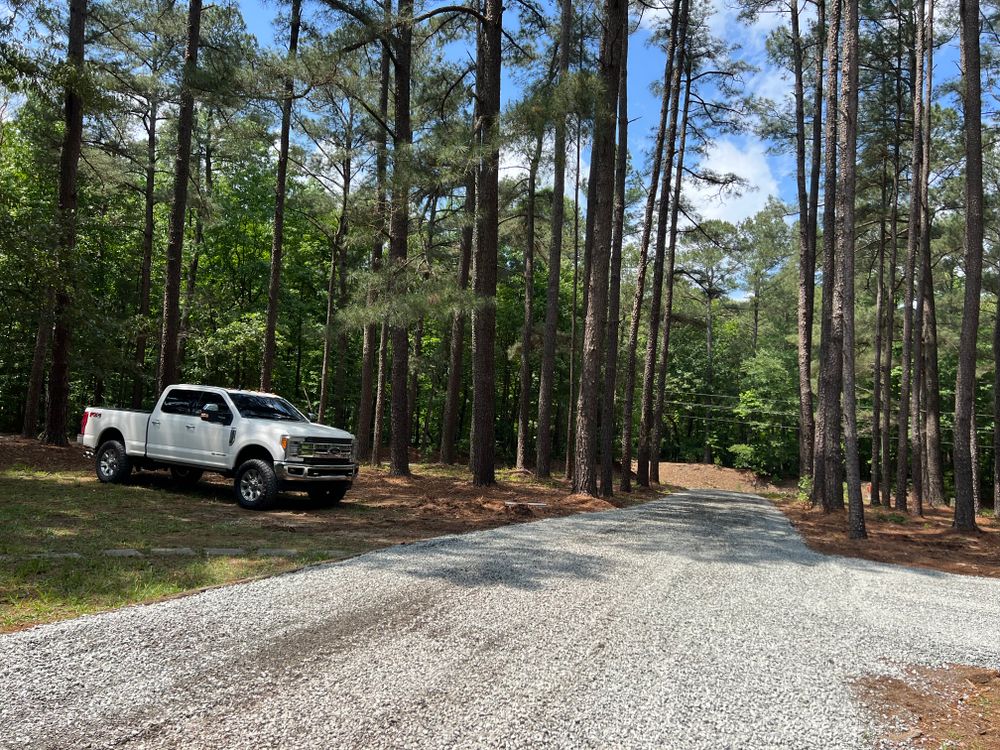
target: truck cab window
181 401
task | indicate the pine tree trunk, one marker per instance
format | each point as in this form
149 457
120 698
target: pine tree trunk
281 182
595 320
640 290
450 421
399 459
807 260
182 174
482 435
827 474
546 375
880 294
614 294
524 401
848 135
977 487
148 230
370 345
69 162
908 389
671 84
668 303
965 381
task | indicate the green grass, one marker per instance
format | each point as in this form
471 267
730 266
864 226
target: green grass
71 512
899 518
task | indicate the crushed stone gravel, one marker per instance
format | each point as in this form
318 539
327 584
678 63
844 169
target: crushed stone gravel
697 621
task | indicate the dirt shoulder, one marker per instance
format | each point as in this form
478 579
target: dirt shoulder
951 707
926 541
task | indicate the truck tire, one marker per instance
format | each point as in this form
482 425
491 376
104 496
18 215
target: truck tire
112 463
329 493
255 485
185 475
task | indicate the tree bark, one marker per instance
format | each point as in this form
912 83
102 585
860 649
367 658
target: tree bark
383 346
827 470
646 414
182 173
807 259
848 134
69 162
668 303
640 288
614 293
524 401
595 321
907 386
546 375
482 435
965 381
399 460
996 411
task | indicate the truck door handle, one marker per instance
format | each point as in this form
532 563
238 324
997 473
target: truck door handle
190 426
155 423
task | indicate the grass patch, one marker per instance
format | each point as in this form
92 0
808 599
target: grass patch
893 518
37 591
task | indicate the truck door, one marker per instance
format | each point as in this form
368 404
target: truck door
172 427
211 436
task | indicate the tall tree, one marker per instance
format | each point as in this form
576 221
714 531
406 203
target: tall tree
69 162
481 440
546 375
182 174
847 179
965 380
280 189
595 320
614 294
827 470
524 402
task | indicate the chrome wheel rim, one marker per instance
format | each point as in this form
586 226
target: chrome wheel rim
109 462
251 485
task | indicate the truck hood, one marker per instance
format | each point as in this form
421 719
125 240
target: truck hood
299 429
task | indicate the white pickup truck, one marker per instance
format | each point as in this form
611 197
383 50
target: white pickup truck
260 440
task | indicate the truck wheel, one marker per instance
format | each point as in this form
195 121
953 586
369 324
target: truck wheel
256 485
329 494
185 475
112 463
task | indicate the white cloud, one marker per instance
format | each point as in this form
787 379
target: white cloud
748 161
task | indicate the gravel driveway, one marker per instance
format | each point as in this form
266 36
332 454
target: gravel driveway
698 621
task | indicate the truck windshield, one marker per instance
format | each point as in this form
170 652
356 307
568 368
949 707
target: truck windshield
265 407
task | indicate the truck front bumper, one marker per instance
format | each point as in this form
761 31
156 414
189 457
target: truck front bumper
296 472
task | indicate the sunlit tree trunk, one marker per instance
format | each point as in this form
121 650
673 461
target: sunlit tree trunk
607 451
595 321
640 290
827 471
145 269
848 135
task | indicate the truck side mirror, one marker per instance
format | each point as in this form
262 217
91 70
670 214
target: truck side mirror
210 413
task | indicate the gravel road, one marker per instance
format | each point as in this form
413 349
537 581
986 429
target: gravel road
698 621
